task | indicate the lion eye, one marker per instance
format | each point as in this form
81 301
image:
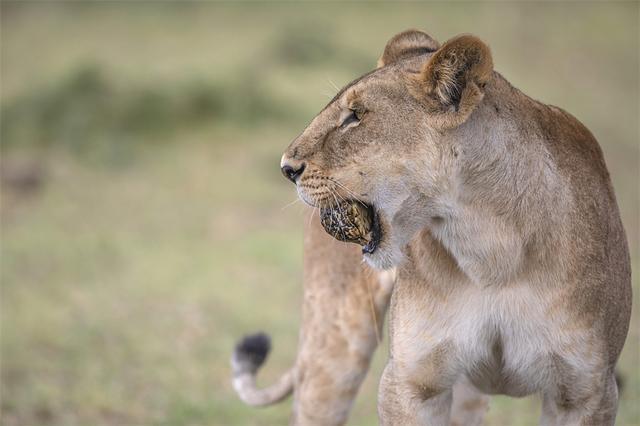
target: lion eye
353 117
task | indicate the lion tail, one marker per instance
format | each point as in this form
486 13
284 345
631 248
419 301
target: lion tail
248 356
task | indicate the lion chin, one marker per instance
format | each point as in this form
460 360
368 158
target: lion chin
388 253
384 258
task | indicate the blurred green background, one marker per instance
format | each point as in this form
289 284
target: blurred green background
145 224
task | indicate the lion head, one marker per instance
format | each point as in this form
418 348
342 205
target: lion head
392 139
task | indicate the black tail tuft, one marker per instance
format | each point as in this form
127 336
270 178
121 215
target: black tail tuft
251 351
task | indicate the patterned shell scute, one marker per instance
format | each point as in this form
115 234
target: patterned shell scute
349 221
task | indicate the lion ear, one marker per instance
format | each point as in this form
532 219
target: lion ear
406 44
452 81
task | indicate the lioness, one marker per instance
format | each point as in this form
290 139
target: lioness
499 215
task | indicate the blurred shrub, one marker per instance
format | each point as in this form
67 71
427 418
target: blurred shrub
85 112
93 115
303 45
307 43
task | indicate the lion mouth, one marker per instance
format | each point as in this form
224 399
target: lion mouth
353 221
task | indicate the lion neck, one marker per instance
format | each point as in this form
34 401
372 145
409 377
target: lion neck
499 201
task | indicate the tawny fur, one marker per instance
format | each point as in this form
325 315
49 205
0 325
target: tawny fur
344 305
499 214
407 44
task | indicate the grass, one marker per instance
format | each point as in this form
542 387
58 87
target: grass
156 232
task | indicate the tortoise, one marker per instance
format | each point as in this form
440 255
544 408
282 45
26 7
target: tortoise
350 221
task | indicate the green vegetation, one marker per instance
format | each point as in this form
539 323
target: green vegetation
145 224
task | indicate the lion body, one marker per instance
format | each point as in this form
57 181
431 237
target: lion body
344 306
498 213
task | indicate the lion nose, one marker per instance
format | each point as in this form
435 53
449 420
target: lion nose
293 172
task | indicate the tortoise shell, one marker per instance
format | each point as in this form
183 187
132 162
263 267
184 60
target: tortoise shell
349 221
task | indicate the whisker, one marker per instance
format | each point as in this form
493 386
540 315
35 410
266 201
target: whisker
342 215
346 218
291 203
350 192
335 240
341 197
341 185
333 84
313 210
